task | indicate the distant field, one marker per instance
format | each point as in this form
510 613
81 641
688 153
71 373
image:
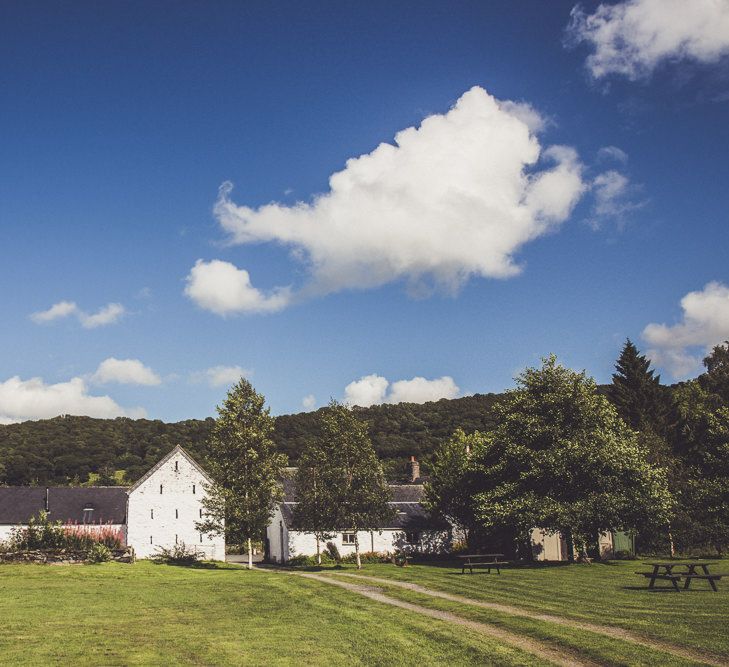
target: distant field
147 614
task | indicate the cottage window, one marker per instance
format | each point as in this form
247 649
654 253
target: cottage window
412 537
88 514
348 538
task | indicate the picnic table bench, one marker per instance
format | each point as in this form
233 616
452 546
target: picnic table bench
482 560
664 571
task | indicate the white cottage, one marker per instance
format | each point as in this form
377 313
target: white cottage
412 530
160 510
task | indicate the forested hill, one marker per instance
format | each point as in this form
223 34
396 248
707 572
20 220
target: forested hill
76 450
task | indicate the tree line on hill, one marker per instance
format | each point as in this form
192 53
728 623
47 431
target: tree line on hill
72 450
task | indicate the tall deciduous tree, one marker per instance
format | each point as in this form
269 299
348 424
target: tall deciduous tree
246 469
562 459
716 378
451 485
352 476
315 511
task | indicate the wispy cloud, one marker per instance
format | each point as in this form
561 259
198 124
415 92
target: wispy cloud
108 314
220 376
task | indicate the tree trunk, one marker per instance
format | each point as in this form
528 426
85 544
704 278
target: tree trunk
356 551
318 551
570 545
250 555
671 547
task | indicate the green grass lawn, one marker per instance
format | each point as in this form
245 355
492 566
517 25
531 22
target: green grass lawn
147 614
608 594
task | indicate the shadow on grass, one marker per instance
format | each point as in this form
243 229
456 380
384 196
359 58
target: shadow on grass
198 565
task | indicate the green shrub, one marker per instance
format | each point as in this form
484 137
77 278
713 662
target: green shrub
334 552
624 554
180 554
366 557
303 560
99 553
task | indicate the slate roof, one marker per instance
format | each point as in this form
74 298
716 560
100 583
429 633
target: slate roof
406 500
66 504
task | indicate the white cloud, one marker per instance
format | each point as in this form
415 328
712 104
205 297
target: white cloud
704 323
221 376
308 402
612 199
632 38
368 390
34 399
125 371
612 153
420 390
454 198
224 289
375 389
109 314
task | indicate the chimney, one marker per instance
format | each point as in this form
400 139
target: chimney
414 468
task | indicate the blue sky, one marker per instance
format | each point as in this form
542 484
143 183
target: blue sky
459 255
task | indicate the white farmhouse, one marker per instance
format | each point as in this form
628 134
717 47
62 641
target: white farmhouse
160 510
412 529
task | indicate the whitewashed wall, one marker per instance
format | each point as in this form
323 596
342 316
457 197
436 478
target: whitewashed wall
5 532
297 543
164 519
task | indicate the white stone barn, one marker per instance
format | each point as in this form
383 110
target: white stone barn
412 529
159 510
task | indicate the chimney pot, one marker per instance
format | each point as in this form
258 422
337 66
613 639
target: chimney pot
414 469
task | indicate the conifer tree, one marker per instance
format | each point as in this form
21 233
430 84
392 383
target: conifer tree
636 392
246 469
716 378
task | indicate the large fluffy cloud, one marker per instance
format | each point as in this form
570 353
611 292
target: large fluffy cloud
454 198
375 389
705 323
632 38
125 371
34 399
108 314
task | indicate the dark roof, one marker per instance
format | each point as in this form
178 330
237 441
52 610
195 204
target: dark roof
406 501
403 493
66 504
19 503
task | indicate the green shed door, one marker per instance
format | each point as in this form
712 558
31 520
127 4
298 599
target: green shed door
623 542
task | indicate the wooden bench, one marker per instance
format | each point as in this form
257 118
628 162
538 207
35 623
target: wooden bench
711 578
673 578
488 561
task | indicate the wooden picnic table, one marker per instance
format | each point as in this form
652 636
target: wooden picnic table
481 560
664 570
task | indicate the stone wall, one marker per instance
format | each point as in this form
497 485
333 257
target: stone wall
61 556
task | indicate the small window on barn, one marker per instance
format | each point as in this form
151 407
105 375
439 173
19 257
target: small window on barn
200 538
201 513
348 538
88 514
175 538
150 539
177 514
177 467
193 488
151 514
160 488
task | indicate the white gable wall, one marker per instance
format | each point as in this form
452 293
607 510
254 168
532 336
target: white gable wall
162 519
